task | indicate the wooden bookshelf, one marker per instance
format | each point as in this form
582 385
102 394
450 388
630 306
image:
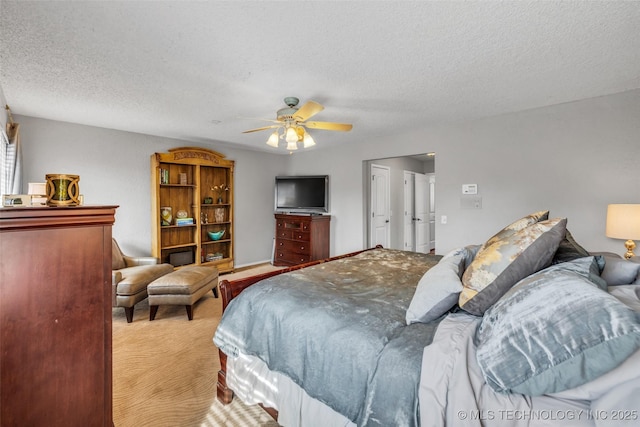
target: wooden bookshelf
182 180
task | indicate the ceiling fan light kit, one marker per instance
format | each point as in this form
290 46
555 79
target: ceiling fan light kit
291 122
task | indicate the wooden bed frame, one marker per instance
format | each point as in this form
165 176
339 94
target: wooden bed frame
230 290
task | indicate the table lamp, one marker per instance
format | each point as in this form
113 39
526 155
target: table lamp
623 222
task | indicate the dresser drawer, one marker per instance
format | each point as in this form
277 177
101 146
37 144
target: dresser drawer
303 236
293 246
283 234
292 224
283 257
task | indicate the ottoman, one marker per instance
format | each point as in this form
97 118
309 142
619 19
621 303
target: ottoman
182 287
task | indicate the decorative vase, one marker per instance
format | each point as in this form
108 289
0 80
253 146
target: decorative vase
62 190
219 214
220 199
165 215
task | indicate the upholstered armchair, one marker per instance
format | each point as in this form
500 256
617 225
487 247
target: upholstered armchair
130 277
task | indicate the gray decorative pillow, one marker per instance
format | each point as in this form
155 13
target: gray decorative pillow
586 267
438 289
569 249
500 265
554 331
619 271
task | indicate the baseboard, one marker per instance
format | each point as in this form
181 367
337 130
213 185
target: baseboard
243 267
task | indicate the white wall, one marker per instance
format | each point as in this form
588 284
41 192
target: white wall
114 168
397 166
572 159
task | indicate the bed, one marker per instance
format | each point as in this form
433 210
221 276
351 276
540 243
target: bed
520 330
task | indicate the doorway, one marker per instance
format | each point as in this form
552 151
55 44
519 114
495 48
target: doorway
380 206
405 225
419 212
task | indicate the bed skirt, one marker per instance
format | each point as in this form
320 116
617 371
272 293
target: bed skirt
254 383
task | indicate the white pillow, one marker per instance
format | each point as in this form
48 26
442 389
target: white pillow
439 288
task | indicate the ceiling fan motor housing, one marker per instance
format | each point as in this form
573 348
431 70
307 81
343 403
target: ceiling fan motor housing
286 114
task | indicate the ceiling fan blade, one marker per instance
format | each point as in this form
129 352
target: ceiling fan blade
263 128
344 127
311 108
259 118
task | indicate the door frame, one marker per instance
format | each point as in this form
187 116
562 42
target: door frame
421 222
408 220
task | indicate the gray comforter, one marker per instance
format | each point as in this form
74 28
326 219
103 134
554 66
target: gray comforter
338 330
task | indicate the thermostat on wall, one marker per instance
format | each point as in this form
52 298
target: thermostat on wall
469 188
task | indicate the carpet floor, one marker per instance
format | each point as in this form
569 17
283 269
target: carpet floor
165 371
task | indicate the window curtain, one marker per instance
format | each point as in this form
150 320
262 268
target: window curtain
11 158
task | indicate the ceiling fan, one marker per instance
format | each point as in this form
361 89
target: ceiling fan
291 124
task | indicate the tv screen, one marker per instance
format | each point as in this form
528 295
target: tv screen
302 193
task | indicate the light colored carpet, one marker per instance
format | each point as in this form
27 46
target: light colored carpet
165 371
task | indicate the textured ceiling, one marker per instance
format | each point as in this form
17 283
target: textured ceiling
206 71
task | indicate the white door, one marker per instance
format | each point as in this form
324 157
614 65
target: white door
380 206
432 211
421 215
409 233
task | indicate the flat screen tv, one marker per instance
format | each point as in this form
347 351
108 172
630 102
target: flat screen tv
302 194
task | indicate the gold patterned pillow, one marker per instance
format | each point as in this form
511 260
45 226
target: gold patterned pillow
507 260
517 226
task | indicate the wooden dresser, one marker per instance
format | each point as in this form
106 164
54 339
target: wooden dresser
301 238
55 316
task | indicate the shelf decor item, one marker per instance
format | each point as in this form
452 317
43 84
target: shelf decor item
164 176
216 235
184 221
220 189
219 214
165 215
62 190
38 193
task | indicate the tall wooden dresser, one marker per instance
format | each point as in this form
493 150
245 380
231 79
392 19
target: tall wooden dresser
301 238
55 316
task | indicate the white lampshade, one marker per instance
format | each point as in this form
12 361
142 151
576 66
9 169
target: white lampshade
623 222
308 141
273 139
291 137
292 145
